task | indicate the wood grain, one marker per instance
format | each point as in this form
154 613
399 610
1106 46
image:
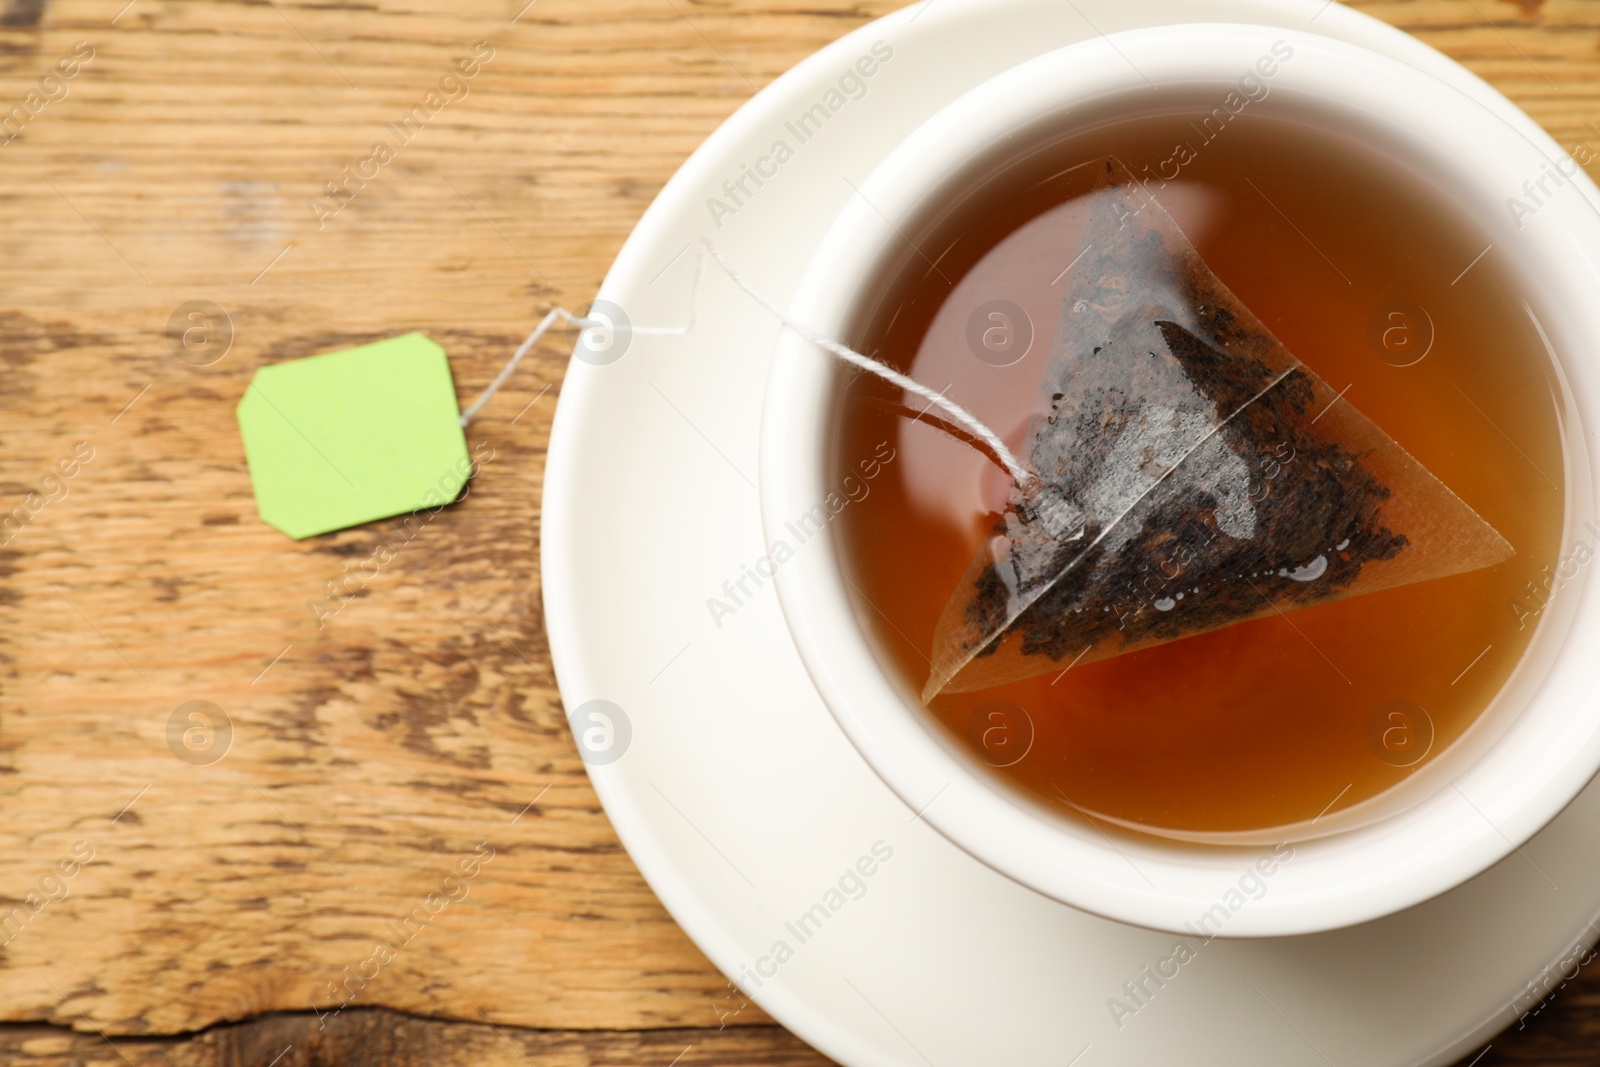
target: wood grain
374 749
378 1038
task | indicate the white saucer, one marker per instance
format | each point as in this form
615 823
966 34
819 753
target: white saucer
738 796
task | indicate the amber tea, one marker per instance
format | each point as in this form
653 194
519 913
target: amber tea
1287 538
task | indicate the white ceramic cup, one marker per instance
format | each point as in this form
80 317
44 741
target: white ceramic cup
1527 756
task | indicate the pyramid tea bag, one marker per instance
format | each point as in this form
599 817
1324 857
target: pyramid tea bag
1189 474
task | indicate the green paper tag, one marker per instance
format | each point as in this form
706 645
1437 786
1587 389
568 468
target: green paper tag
350 437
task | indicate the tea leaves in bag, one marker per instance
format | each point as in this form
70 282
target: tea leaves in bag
1190 474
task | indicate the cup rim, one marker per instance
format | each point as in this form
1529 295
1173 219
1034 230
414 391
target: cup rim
1493 807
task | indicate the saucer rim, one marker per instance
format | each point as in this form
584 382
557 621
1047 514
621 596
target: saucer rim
664 870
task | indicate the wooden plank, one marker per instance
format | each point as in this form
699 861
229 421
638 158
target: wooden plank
374 747
379 1038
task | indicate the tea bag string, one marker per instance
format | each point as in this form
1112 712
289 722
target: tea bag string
556 315
1019 474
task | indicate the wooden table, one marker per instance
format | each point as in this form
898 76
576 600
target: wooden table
375 749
